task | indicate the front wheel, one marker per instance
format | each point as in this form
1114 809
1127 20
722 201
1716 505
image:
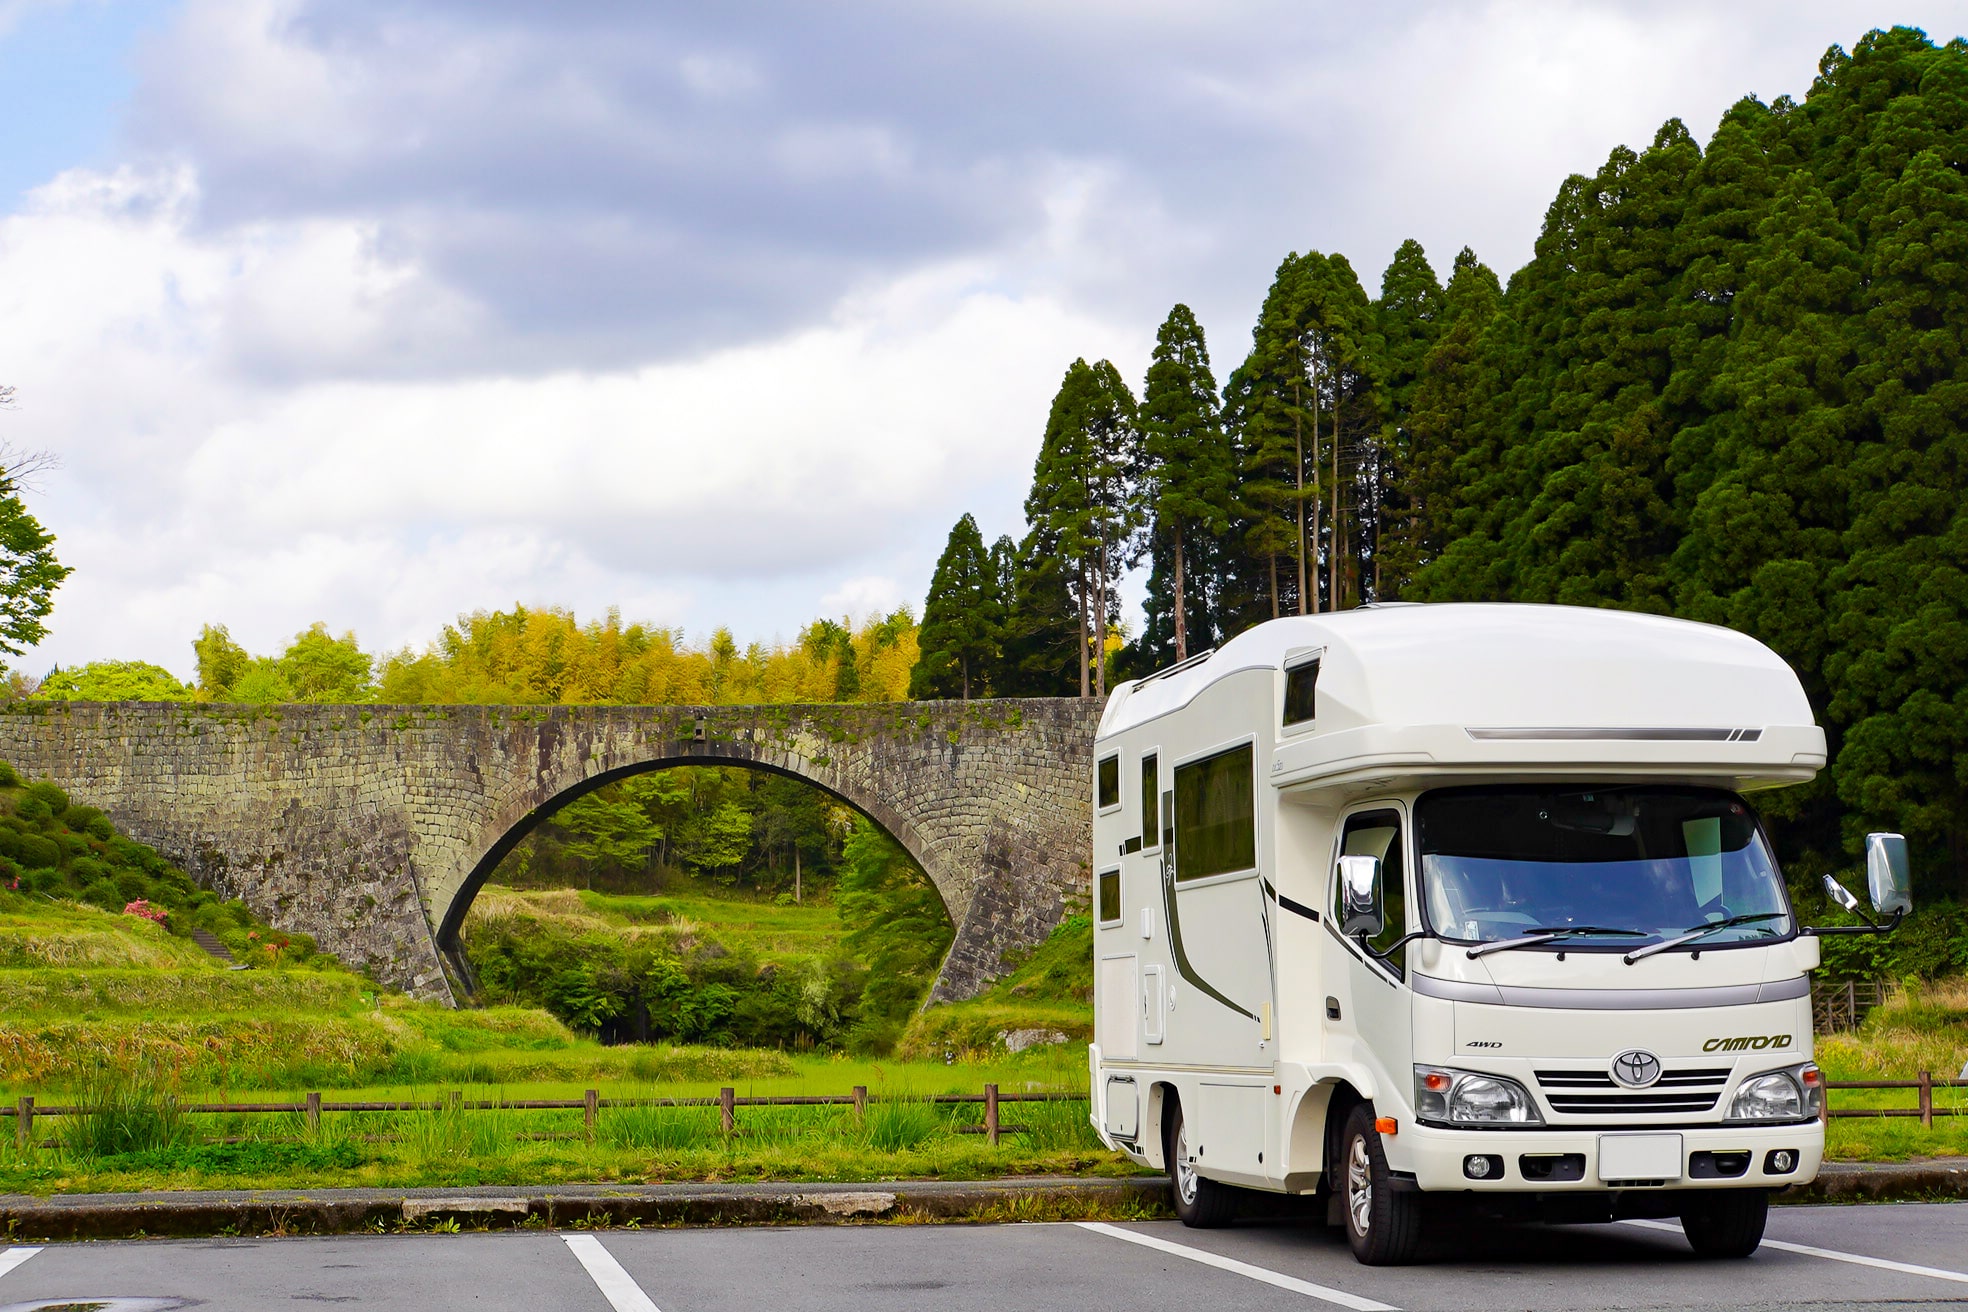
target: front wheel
1383 1228
1727 1223
1201 1203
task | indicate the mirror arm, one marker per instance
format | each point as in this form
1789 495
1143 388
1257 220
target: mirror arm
1870 927
1393 947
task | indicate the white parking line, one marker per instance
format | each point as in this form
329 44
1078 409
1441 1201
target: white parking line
616 1285
1856 1259
13 1257
1293 1283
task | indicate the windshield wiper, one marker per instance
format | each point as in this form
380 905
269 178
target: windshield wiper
1550 935
1703 932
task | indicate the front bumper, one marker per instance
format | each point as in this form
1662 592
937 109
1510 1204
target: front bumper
1436 1157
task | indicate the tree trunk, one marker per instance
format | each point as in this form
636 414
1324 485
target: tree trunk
1274 585
796 875
1084 673
1298 476
1181 628
1338 524
963 663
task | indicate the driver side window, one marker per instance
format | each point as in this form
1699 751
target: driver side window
1378 834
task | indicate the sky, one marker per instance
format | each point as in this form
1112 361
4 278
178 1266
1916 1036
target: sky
375 314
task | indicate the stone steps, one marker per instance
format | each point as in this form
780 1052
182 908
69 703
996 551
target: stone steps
204 938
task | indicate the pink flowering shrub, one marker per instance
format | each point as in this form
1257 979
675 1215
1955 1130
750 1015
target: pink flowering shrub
149 911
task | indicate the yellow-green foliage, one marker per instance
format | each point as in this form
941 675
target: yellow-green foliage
531 657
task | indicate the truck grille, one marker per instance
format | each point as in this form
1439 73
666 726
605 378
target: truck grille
1585 1093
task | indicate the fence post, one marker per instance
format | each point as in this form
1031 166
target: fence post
1927 1098
314 1112
590 1108
991 1114
24 1123
860 1103
727 1108
1852 1003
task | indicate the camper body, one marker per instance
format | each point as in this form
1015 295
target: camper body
1529 798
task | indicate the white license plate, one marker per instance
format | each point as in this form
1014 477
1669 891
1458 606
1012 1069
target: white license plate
1639 1157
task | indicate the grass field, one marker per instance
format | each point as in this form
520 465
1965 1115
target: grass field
767 929
112 1012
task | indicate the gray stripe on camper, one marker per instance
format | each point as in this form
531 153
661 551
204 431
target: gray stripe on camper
1509 995
1632 735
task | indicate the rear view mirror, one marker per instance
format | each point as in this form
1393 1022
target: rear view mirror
1840 894
1359 892
1887 877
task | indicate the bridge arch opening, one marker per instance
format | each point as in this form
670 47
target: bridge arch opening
854 986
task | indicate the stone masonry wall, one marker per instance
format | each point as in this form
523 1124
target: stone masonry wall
372 827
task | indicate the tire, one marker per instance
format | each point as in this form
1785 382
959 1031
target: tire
1203 1204
1726 1223
1383 1227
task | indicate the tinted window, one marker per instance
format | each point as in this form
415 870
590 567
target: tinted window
1110 782
1215 824
1300 684
1110 896
1151 788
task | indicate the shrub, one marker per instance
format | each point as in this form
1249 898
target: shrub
33 810
87 870
104 893
43 791
8 779
131 884
100 829
10 840
36 850
48 882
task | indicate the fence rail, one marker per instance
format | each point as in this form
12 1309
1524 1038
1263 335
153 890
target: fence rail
1924 1107
26 1110
591 1104
1842 1004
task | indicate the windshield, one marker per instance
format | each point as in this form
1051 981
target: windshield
1502 863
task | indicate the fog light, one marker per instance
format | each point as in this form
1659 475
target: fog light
1482 1166
1780 1161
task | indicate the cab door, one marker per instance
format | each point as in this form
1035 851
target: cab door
1370 992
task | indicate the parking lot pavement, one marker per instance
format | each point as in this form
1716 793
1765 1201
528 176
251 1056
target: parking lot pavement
1880 1257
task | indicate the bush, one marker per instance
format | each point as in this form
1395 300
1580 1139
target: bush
104 893
36 850
8 779
43 791
10 840
131 884
100 828
34 811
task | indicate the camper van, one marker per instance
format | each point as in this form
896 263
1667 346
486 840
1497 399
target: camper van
1465 900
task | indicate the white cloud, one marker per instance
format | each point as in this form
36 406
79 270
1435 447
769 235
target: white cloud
199 487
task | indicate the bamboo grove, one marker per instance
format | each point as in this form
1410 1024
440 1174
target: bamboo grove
1728 386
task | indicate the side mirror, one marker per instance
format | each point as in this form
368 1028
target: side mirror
1359 892
1840 894
1887 878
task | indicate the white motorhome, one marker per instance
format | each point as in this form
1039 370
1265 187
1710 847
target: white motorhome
1461 899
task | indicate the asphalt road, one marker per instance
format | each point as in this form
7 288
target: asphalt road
1882 1256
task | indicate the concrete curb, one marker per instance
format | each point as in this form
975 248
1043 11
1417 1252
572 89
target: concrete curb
1882 1182
1040 1198
351 1211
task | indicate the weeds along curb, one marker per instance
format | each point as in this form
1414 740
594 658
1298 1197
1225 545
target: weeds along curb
378 1212
1883 1182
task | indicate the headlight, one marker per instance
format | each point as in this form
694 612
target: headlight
1452 1097
1786 1095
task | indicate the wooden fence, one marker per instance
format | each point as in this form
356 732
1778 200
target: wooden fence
26 1111
1924 1106
1839 1005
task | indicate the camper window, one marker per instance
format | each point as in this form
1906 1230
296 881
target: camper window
1301 682
1215 815
1151 788
1378 834
1110 897
1109 783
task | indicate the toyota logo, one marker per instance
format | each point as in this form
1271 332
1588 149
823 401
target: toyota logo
1636 1068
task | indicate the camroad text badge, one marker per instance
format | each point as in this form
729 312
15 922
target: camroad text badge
1755 1042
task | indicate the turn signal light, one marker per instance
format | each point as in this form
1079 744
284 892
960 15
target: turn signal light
1386 1125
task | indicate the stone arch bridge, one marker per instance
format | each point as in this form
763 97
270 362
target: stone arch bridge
372 827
